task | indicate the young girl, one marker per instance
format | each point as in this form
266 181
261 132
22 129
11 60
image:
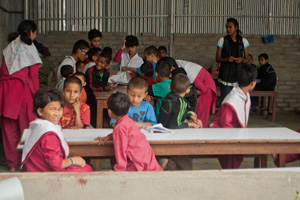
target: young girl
18 82
45 148
232 51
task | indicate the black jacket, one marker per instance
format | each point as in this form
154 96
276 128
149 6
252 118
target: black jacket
267 76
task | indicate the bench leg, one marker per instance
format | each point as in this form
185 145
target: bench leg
256 162
264 161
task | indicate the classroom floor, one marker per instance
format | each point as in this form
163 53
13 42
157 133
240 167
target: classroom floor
283 119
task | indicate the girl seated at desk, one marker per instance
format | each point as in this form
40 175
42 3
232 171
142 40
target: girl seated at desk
45 148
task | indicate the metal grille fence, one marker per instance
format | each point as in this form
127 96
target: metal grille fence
162 17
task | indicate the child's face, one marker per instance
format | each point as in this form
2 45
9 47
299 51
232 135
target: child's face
82 80
72 92
231 29
95 42
79 67
162 53
94 58
101 63
262 60
132 50
250 61
136 96
149 58
82 54
51 112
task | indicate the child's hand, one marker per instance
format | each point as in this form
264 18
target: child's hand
76 106
239 60
123 45
79 161
124 68
198 122
198 93
230 59
147 98
111 86
75 128
193 125
102 140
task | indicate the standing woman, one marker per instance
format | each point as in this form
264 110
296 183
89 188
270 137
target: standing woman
18 83
232 52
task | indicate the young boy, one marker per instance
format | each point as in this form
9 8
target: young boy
81 76
92 55
132 150
250 62
80 66
79 53
162 52
174 109
234 111
141 112
65 71
266 74
94 36
150 54
131 58
147 72
76 114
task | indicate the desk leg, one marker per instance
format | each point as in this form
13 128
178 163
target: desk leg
98 164
264 161
263 105
281 160
100 113
274 108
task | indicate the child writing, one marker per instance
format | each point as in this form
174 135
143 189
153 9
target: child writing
131 58
147 72
45 148
79 53
232 52
234 111
92 56
65 71
141 112
76 114
162 52
132 150
81 76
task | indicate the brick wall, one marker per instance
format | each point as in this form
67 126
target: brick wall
3 39
284 55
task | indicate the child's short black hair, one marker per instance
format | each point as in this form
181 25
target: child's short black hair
44 96
80 44
118 103
250 55
138 83
66 70
79 74
72 79
93 52
162 48
93 33
151 50
264 55
245 75
178 70
147 69
163 69
170 60
105 55
107 50
180 83
131 41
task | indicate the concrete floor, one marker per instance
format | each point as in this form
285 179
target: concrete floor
283 119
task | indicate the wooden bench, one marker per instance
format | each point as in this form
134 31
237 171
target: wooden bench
265 107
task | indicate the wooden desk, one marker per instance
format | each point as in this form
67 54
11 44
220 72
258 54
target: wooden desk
194 142
101 99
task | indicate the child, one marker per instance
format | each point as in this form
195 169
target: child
232 52
79 53
97 76
250 62
65 71
141 112
94 36
234 111
45 148
76 114
147 72
150 54
80 66
174 108
108 50
266 74
132 150
92 56
83 96
162 52
131 58
160 89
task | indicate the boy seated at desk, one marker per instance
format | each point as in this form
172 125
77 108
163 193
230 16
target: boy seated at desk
76 114
45 148
234 111
141 112
132 150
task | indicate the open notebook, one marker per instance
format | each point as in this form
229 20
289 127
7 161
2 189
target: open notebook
157 128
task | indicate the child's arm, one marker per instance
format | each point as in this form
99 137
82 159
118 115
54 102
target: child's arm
198 122
67 162
78 122
117 57
120 145
142 125
132 69
104 140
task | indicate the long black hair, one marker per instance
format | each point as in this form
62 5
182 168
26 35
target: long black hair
239 32
24 31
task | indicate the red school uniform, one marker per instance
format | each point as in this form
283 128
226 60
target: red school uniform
68 118
132 150
83 96
233 113
45 149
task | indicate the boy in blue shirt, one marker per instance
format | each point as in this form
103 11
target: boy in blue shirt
141 112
